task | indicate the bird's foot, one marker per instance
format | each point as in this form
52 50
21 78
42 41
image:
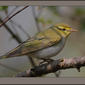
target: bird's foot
45 61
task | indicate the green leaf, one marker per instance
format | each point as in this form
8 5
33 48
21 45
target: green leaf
41 20
2 8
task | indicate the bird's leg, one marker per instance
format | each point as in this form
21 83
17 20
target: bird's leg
46 60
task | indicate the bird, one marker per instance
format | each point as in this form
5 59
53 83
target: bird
43 45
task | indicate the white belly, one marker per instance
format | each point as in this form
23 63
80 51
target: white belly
46 53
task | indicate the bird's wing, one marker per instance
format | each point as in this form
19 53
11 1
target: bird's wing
40 41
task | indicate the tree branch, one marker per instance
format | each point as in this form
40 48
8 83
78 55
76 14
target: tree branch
8 18
54 66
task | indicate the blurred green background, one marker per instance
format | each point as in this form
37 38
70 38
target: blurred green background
31 21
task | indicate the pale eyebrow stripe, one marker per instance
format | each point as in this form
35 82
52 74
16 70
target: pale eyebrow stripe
57 28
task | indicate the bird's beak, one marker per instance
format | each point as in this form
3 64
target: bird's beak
73 30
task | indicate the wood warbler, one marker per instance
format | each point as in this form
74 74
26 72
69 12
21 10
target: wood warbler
45 44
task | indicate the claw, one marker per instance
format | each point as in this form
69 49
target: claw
45 61
61 60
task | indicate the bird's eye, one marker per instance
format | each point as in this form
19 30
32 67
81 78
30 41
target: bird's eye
63 29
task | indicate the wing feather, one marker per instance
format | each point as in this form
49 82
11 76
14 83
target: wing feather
40 41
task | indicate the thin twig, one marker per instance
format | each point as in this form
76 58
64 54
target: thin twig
53 66
8 18
11 11
13 35
14 23
10 31
17 38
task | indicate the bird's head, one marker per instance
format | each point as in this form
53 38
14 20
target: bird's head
64 29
